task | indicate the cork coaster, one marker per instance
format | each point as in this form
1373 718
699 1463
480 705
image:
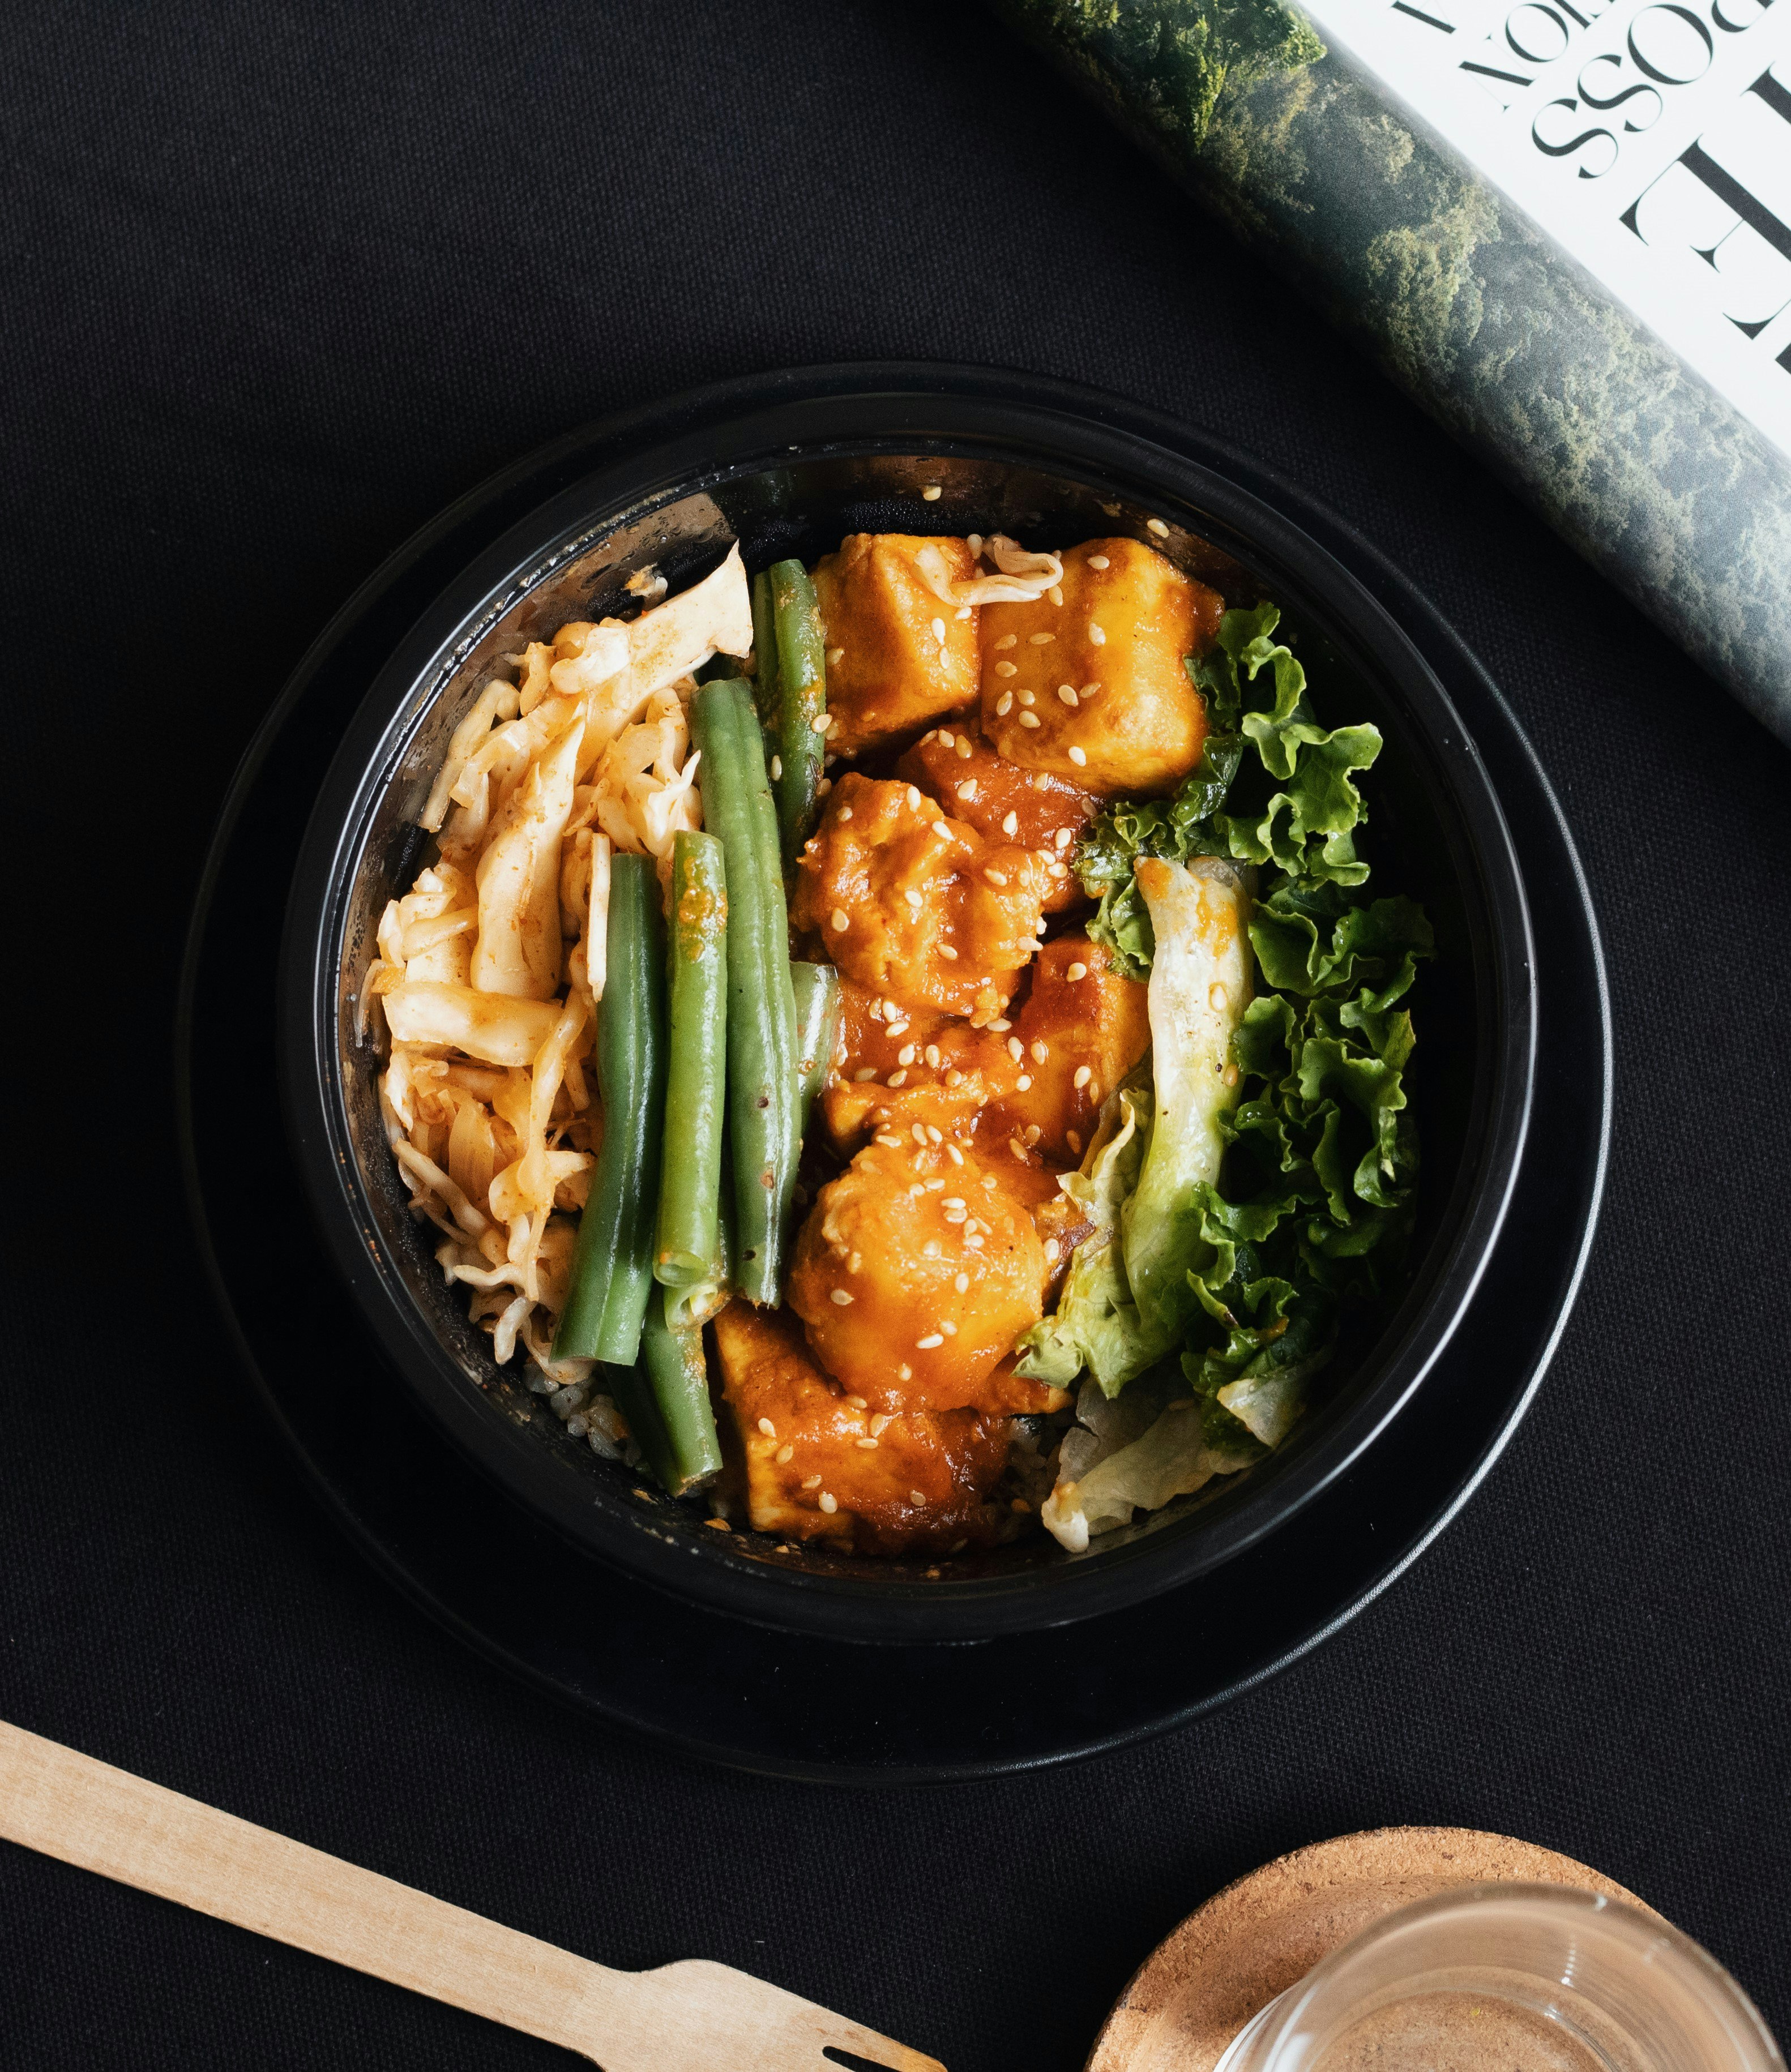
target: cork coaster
1253 1940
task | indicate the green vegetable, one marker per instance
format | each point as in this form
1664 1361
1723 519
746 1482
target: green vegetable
689 1194
612 1266
801 702
1300 807
766 696
763 1088
685 1450
1246 1264
816 1028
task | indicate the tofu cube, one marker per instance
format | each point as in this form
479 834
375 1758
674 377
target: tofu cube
898 656
1003 802
1094 690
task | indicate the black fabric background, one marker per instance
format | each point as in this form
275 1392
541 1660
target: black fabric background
279 282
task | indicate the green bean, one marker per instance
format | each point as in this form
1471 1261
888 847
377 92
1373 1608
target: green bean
678 1376
613 1266
816 1029
763 1122
802 702
689 1185
766 694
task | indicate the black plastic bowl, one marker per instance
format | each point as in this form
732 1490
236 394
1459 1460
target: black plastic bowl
791 479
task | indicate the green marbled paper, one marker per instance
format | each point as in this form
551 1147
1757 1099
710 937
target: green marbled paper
1657 480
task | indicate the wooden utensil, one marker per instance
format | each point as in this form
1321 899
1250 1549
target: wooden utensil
692 2016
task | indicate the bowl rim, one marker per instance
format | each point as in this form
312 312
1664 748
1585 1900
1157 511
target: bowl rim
820 414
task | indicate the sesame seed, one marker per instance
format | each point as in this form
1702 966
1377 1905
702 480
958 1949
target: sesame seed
1157 526
830 1502
905 1055
854 1262
962 1284
895 1028
1097 638
1059 869
898 1078
918 1134
934 1136
954 1078
914 1496
1016 1050
1062 838
932 1339
1029 719
914 798
963 611
1007 640
841 923
1033 1134
1024 1083
866 1075
822 721
893 1143
945 740
1010 824
776 767
941 830
1089 690
964 747
845 813
1006 669
1026 698
1053 1252
1066 693
973 1243
1099 561
905 1373
893 1009
1039 1053
1001 1028
1017 1148
1216 995
948 953
841 1296
857 1403
786 1455
813 1482
953 1202
1039 639
835 657
1083 1074
947 1327
930 1053
913 898
767 1427
1077 971
720 1524
967 790
939 629
955 1215
1056 593
996 877
936 1186
823 786
1078 756
866 1445
1004 704
1231 1075
932 493
954 1154
1073 1138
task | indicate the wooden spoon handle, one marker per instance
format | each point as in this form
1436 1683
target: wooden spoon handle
86 1813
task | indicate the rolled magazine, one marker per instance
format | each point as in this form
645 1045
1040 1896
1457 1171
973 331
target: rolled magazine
1564 226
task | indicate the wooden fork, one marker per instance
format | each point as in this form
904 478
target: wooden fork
692 2016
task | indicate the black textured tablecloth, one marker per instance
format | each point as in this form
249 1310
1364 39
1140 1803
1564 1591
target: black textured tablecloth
279 282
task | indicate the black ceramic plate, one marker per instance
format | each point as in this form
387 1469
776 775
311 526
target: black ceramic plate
807 1707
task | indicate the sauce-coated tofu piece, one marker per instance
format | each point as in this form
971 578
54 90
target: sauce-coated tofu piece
1003 801
933 1070
916 907
915 1277
1093 689
1082 1029
897 656
813 1471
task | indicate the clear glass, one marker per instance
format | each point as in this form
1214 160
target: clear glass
1511 1977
